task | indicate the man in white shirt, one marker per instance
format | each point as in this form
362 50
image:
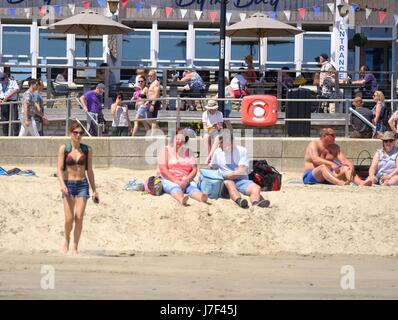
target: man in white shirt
232 162
8 92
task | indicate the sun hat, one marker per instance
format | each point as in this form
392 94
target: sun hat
136 86
211 105
388 135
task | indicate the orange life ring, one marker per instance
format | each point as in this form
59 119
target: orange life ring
259 110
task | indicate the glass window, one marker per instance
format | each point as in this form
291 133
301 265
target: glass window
16 40
241 47
206 45
51 44
172 45
371 32
136 46
314 45
95 47
280 49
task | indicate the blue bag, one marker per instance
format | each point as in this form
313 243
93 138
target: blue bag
211 182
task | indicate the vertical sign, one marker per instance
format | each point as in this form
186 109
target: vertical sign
341 50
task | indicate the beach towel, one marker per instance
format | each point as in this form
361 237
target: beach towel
3 172
17 171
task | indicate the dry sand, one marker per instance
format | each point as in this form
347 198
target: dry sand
213 251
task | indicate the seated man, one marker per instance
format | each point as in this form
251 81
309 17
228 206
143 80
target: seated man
320 163
233 164
361 129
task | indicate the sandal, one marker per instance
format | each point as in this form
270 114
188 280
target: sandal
263 203
242 203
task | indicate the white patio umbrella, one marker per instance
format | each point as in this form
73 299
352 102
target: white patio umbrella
89 23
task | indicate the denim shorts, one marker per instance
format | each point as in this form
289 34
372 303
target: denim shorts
169 187
242 185
77 188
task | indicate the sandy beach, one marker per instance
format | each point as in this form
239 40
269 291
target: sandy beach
315 229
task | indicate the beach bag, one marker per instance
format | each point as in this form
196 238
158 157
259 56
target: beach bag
134 185
211 182
362 170
154 186
266 176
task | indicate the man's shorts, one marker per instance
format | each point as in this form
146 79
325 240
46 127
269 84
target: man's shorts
154 113
308 178
169 187
242 185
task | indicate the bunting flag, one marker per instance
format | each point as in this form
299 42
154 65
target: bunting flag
57 10
183 13
287 14
382 16
42 10
228 15
302 13
86 4
242 16
102 3
138 5
153 9
354 6
72 7
272 14
198 14
168 11
124 4
331 7
317 10
213 16
396 18
368 12
28 12
12 12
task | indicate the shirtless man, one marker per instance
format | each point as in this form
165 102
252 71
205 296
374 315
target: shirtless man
153 93
319 165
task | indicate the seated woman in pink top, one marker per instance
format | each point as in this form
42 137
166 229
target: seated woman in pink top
177 168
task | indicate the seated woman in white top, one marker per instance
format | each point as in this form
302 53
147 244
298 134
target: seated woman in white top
212 120
238 85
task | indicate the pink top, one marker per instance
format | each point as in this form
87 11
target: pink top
179 165
136 94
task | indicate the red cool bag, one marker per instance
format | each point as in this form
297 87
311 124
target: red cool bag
266 176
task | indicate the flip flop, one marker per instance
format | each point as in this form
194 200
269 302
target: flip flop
263 203
242 203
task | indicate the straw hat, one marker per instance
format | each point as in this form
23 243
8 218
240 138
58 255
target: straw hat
211 105
388 135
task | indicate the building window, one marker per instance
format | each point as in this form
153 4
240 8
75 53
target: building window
136 48
314 44
172 46
96 50
207 46
241 47
16 44
377 33
280 50
52 47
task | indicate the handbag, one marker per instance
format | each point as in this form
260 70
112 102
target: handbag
266 176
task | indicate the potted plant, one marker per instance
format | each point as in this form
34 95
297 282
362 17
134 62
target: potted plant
359 39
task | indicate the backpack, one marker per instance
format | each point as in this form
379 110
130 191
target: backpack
385 115
154 186
266 176
211 182
68 149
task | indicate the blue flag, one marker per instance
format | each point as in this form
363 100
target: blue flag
317 10
138 6
12 12
272 14
354 6
102 3
57 10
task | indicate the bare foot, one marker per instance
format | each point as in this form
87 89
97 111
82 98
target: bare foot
204 197
65 246
367 183
74 251
184 200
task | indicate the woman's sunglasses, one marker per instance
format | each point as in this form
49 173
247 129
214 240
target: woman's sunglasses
80 133
389 141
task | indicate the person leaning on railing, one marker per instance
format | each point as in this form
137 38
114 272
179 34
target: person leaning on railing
92 104
9 92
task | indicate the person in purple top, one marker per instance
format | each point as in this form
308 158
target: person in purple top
368 81
92 104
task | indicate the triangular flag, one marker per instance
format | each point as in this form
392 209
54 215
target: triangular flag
86 4
42 10
354 6
213 16
382 16
302 13
72 7
228 16
396 18
368 12
183 12
272 14
28 12
102 3
242 16
12 12
168 11
138 6
198 14
317 10
153 9
124 4
287 14
57 10
331 7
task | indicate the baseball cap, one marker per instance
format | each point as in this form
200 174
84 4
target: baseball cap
101 86
324 55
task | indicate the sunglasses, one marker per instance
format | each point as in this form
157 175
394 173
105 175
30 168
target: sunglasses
80 133
330 134
140 81
389 141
